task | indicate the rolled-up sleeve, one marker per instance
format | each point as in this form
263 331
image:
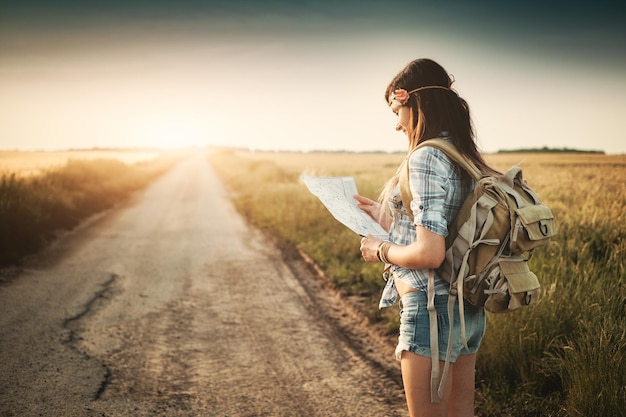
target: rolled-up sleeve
429 178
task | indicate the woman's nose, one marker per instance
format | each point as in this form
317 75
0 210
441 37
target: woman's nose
398 127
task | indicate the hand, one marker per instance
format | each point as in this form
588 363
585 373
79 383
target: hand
371 207
374 210
369 248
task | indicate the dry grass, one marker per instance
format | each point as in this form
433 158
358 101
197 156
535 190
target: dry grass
48 193
25 163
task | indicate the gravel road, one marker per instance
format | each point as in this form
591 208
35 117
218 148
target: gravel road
171 305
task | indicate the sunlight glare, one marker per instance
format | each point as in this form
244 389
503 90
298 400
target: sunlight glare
171 133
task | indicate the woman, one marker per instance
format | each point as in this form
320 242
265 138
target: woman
426 107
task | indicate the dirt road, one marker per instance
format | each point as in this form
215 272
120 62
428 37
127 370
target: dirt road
173 306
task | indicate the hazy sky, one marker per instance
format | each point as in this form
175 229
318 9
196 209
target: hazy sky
304 75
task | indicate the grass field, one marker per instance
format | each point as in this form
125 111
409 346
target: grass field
44 193
24 163
565 356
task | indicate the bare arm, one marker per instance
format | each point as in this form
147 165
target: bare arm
427 252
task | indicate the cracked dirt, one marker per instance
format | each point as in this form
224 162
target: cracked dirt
172 306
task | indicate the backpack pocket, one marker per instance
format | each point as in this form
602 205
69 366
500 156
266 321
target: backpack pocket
533 227
515 286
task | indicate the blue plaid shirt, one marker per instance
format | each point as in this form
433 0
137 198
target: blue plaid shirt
438 193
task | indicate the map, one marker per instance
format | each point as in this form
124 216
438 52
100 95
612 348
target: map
337 195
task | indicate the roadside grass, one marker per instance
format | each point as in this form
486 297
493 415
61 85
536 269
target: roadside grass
562 357
27 163
34 208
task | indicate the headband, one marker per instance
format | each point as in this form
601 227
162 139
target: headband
400 96
428 87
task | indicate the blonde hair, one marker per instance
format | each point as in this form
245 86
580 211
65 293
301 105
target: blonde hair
413 133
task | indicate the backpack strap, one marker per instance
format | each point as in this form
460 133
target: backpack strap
452 153
437 379
450 150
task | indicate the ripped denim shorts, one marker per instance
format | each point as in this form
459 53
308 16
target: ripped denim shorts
415 326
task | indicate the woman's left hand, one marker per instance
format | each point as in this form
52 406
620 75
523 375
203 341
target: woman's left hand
369 248
374 210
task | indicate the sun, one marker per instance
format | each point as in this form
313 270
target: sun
174 134
169 133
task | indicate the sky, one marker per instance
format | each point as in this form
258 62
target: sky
304 75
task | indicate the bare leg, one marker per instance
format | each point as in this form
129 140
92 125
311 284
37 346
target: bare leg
463 383
416 378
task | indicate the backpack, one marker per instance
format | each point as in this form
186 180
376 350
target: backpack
487 248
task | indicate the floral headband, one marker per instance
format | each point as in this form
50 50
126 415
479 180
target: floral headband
400 96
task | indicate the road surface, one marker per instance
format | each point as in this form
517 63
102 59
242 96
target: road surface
171 305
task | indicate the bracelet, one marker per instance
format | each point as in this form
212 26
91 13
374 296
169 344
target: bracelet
383 252
378 250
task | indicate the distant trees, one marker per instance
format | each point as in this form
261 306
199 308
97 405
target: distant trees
545 149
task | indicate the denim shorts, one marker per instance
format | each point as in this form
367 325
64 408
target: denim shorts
415 326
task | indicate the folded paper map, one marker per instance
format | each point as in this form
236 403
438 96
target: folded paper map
337 195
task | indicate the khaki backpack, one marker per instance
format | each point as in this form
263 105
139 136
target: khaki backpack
487 248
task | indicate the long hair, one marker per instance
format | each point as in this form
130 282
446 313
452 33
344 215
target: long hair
433 111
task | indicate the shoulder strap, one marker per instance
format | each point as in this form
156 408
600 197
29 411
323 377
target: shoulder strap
452 153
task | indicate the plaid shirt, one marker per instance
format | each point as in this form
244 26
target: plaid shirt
438 193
